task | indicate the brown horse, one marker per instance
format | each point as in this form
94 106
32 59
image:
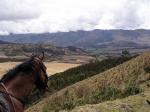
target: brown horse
17 84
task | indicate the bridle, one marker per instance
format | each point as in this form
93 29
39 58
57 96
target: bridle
41 67
11 96
43 70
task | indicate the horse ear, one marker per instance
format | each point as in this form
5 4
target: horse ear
41 56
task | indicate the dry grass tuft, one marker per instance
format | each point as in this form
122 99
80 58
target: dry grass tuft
136 103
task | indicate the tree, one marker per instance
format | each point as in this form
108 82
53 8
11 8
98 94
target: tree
125 53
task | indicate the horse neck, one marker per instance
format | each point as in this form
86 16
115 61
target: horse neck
21 85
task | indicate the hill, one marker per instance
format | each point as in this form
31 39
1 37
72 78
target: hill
18 51
84 39
127 79
135 103
3 42
69 77
97 41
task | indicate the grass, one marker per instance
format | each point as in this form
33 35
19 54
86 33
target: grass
123 80
135 103
61 80
97 96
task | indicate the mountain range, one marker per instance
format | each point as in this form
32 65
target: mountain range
86 39
21 51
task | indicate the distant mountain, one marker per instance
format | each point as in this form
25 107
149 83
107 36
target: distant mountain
119 43
4 42
11 50
85 39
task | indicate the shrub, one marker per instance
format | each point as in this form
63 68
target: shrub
106 93
131 89
147 69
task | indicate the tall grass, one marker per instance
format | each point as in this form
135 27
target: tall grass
61 80
97 96
71 76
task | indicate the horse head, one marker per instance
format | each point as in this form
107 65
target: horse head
40 74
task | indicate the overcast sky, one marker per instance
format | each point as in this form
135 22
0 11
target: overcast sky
37 16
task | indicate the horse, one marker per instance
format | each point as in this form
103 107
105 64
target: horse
17 83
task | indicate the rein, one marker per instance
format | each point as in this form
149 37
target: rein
10 96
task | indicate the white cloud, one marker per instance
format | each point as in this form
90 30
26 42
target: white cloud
11 10
38 16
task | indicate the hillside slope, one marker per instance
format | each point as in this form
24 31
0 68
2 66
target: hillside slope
135 71
3 42
136 103
69 77
18 52
51 50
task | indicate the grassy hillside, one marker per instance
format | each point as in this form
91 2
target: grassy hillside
61 80
129 78
16 52
136 103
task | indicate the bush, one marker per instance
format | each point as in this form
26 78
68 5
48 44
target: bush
131 89
147 69
106 93
111 93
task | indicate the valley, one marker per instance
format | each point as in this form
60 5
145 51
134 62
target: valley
52 67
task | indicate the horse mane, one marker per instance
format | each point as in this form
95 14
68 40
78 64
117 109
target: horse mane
25 67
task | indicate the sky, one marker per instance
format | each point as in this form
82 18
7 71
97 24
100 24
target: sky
38 16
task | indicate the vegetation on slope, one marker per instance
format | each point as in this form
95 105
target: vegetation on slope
61 80
121 81
135 71
97 96
136 103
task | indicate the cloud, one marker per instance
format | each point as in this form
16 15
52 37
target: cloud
11 10
36 16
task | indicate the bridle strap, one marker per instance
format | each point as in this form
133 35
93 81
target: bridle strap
9 96
37 59
23 102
